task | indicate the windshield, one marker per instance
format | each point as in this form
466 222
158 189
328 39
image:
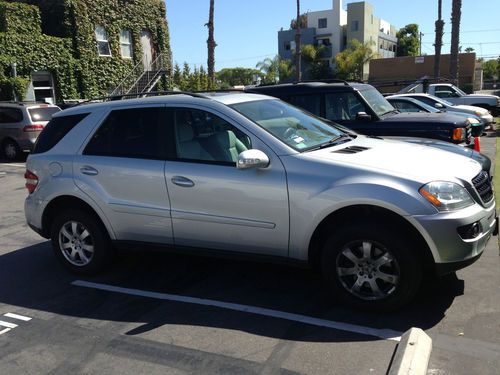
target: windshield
379 104
442 101
42 113
460 91
298 129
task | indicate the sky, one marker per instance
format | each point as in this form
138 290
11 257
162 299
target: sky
246 32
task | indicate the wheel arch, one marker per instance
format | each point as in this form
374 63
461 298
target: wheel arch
69 201
366 211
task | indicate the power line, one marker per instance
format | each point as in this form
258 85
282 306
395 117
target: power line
466 31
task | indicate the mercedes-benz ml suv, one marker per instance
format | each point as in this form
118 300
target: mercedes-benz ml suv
246 173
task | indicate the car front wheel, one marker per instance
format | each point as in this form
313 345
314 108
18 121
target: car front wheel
11 149
371 266
80 242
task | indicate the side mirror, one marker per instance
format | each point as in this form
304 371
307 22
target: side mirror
363 116
438 105
252 159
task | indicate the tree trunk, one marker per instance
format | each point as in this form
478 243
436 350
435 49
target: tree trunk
211 47
456 12
439 42
298 52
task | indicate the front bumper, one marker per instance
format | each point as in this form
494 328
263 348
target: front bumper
449 250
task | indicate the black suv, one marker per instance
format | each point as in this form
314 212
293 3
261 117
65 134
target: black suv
362 108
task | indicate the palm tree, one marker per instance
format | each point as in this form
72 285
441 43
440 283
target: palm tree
211 46
298 53
439 42
456 12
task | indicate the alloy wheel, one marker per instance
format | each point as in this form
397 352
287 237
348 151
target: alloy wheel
368 270
76 243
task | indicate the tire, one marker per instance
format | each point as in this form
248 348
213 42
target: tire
372 266
11 150
80 242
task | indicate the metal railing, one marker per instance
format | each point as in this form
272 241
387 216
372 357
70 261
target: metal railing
141 79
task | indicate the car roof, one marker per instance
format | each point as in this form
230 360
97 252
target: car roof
26 104
226 98
311 86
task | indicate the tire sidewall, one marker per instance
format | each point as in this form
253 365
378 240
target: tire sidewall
16 147
102 245
395 241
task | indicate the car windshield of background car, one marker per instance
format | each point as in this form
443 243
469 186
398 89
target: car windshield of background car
294 127
379 104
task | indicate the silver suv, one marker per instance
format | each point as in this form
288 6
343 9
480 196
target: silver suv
20 125
250 174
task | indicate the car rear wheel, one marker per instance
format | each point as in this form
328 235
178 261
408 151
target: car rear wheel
80 242
371 266
11 149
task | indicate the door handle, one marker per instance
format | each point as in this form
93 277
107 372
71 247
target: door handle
182 181
88 170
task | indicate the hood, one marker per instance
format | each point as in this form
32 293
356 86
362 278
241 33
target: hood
417 162
470 108
424 117
484 96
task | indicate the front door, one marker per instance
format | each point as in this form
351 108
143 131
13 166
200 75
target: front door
147 49
214 204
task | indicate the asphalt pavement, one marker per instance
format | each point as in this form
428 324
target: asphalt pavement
162 313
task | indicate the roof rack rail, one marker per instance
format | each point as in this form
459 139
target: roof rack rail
219 90
140 95
22 103
326 80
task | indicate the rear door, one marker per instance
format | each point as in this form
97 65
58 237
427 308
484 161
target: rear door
122 169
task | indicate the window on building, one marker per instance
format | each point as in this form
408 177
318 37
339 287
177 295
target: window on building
287 46
101 37
43 86
322 23
126 44
354 25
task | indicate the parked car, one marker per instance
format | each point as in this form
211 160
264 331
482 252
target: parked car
249 174
362 108
446 106
454 95
20 125
407 104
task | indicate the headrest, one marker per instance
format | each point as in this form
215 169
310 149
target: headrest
185 132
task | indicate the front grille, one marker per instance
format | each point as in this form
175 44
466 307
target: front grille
482 184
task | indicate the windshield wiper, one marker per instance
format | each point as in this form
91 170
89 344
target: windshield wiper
333 142
392 111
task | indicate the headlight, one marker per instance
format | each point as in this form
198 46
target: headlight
473 120
446 196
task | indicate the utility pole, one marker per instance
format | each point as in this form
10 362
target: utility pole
298 52
438 42
14 75
420 43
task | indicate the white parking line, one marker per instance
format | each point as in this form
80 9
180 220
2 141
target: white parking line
16 316
7 324
13 165
4 331
386 334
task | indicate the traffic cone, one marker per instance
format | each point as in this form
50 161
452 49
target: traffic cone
477 144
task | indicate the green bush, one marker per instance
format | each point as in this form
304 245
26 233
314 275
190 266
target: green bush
9 86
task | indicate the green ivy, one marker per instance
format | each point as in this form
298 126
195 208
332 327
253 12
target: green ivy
17 85
72 56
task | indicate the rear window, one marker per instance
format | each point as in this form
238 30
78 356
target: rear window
42 113
55 130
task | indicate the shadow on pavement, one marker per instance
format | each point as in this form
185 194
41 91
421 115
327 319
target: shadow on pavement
32 278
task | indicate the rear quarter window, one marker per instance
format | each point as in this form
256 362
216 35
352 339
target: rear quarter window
55 130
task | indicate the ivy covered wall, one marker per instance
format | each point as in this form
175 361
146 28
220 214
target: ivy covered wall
70 51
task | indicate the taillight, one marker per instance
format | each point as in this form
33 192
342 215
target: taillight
458 134
33 128
31 181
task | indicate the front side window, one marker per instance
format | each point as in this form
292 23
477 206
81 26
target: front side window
405 106
202 136
126 44
131 133
292 126
378 103
343 106
322 23
101 37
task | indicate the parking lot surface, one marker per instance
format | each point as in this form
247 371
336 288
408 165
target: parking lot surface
163 313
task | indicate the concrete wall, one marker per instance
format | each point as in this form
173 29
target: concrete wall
387 71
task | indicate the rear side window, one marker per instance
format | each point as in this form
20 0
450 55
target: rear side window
10 115
42 113
55 130
311 103
131 133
